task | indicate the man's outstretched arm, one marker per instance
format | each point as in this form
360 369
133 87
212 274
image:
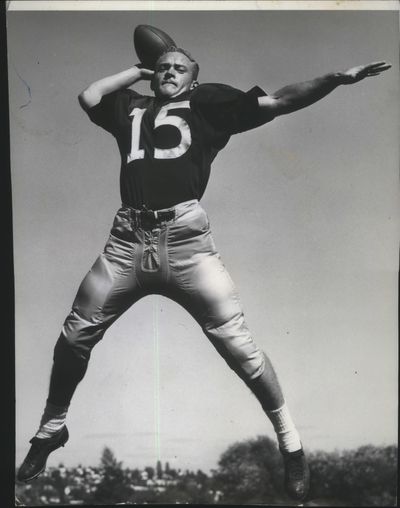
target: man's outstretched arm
300 95
93 93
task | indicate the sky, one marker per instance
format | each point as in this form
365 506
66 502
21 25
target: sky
304 212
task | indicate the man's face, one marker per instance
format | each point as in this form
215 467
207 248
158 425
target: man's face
172 76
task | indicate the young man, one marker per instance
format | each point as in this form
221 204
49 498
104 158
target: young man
160 242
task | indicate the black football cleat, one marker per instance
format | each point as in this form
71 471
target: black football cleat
35 462
297 474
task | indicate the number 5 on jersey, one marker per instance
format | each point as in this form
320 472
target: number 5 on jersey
164 117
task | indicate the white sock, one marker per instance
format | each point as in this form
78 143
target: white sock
52 420
288 437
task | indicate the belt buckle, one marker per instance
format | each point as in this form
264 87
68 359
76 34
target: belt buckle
148 215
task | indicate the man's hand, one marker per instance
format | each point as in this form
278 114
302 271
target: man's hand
145 74
356 74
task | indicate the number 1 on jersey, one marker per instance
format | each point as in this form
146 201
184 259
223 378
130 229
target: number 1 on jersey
136 152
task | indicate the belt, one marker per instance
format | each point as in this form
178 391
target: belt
148 218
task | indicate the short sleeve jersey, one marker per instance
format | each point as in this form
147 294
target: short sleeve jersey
167 146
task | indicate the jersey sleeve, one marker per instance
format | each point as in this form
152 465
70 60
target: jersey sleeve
228 109
105 113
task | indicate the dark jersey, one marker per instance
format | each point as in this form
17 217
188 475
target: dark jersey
167 146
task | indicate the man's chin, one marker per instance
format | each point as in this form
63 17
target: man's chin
168 94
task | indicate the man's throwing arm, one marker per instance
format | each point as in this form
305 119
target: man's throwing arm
93 93
300 95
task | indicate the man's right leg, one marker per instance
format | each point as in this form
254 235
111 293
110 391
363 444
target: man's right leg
106 292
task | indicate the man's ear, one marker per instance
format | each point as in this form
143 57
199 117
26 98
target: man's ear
194 85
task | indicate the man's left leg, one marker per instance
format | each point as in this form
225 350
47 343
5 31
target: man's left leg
214 303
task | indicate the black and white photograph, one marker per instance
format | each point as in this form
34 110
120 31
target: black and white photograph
205 218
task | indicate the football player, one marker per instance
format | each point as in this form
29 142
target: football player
160 241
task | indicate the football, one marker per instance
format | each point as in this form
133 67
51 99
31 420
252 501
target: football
150 43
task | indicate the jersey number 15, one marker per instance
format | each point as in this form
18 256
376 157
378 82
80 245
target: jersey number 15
164 117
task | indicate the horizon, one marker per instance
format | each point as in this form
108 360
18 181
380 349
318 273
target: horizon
185 470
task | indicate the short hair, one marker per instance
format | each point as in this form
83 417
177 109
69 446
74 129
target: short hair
174 49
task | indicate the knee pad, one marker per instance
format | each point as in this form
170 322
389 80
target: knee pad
235 344
78 336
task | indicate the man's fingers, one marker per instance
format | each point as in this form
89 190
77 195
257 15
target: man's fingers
374 64
379 65
381 69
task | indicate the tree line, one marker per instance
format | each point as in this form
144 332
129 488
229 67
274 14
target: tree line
248 472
